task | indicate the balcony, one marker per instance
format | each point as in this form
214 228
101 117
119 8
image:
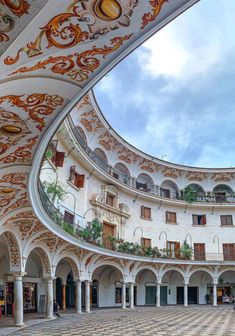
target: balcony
220 195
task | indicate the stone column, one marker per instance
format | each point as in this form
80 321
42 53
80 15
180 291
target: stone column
132 295
185 295
78 297
63 296
124 295
18 301
215 294
49 291
87 296
158 295
54 288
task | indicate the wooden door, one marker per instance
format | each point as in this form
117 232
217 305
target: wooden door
199 251
108 230
229 251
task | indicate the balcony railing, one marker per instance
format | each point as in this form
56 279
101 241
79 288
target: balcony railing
75 229
210 197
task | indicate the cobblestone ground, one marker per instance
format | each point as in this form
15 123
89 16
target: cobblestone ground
171 321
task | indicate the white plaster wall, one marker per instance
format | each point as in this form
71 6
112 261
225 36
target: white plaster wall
151 228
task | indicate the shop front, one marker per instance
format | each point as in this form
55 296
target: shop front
29 298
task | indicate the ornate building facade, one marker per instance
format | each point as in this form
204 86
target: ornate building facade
152 212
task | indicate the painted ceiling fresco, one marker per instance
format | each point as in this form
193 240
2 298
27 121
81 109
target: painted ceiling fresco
51 53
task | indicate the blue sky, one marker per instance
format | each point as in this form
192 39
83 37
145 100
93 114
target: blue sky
174 97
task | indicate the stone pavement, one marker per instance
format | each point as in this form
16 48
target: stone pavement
142 321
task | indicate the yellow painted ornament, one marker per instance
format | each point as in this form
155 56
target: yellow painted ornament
108 9
11 129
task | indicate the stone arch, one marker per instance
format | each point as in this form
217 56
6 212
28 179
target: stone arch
44 256
94 267
145 267
227 269
14 250
173 269
201 269
81 133
121 172
144 182
169 189
72 264
100 158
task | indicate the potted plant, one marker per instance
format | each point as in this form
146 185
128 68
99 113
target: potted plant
186 251
189 195
55 191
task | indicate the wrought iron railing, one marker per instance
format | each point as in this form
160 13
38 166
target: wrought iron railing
210 197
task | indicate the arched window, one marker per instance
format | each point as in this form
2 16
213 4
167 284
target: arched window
100 158
145 183
169 189
121 172
82 134
223 193
194 193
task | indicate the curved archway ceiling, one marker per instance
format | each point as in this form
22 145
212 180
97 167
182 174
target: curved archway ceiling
50 51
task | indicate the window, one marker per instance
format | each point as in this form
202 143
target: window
110 200
173 249
68 217
146 242
145 212
165 192
229 251
199 219
226 219
57 157
171 217
199 251
142 186
115 175
75 178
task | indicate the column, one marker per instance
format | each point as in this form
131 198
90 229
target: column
124 295
63 296
54 288
87 296
158 295
214 294
78 297
132 295
49 310
185 295
18 301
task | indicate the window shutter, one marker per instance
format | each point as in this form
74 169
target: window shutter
204 220
147 213
79 180
177 250
142 211
195 220
72 174
59 159
167 216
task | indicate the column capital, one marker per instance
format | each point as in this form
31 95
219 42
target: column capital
48 278
18 274
132 283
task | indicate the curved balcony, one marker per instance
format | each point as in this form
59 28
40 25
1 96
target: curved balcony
221 194
119 246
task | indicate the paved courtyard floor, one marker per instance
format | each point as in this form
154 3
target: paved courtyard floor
169 320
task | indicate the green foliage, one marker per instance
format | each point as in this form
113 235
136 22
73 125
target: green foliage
55 191
93 232
186 251
189 195
68 228
48 154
